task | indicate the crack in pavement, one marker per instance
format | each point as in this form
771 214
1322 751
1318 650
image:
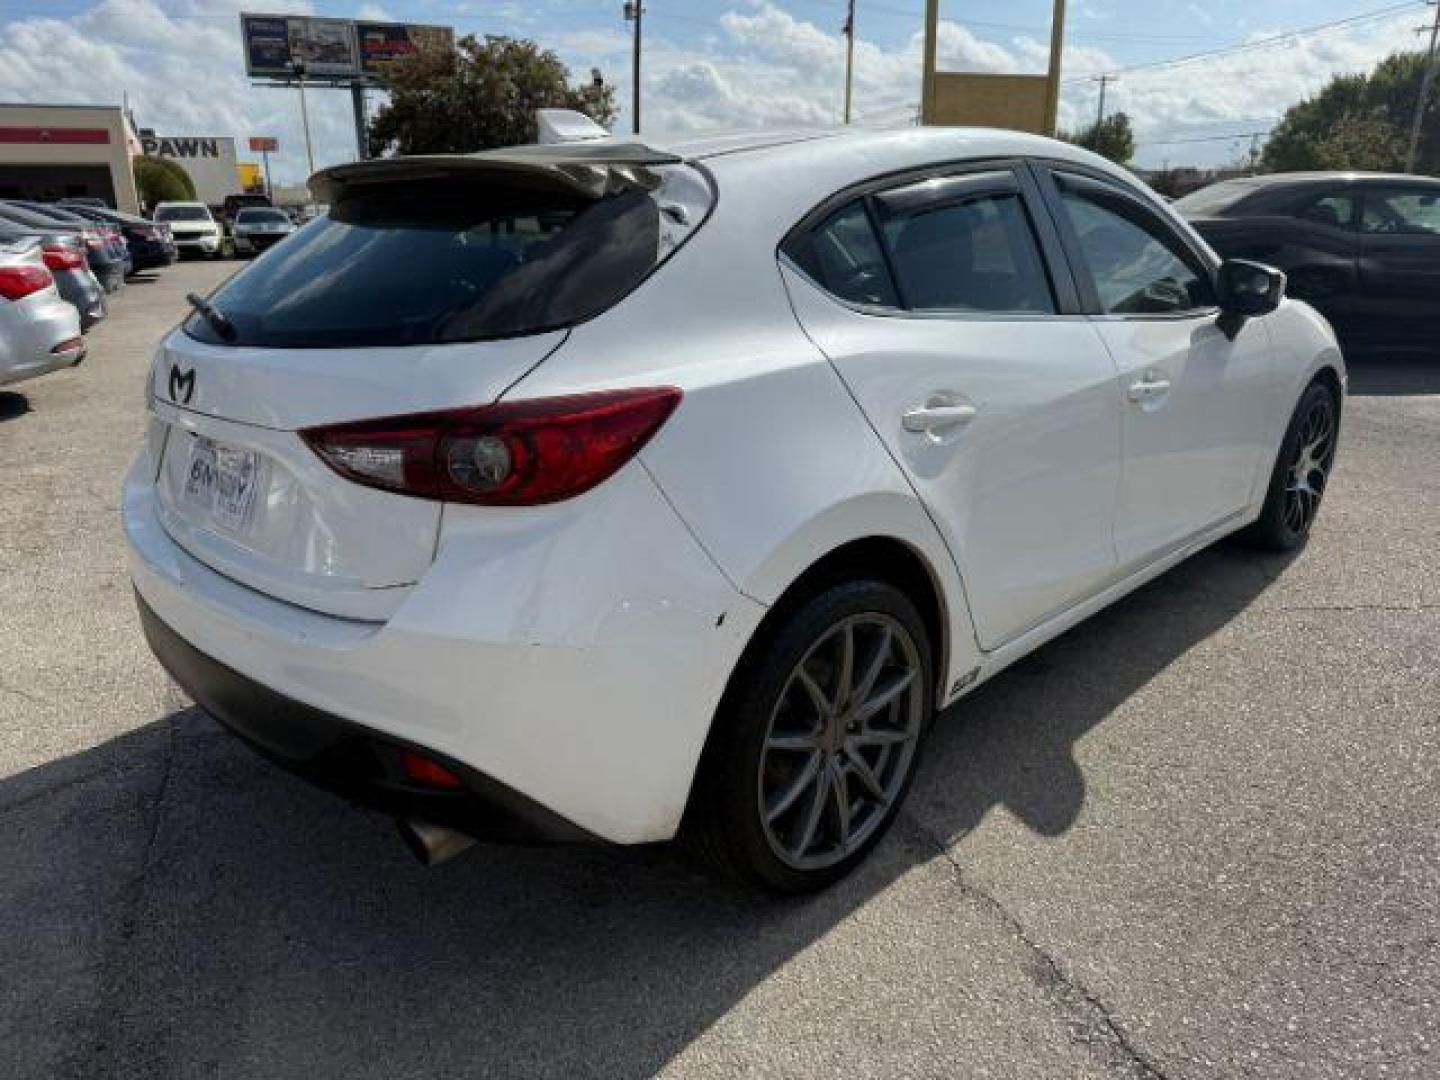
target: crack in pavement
112 983
1089 1019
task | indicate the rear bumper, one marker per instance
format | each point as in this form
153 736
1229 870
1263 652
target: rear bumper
32 332
349 759
200 244
79 288
551 655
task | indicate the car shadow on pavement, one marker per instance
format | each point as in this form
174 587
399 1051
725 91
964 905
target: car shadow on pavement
1376 374
187 909
12 405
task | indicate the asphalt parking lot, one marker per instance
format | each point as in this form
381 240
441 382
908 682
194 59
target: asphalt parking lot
1199 836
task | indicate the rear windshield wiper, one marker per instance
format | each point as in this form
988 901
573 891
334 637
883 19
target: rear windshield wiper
213 315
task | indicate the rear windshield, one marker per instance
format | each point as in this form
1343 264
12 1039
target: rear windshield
457 259
182 213
1216 199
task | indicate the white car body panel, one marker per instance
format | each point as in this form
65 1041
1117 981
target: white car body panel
1190 454
577 652
1044 445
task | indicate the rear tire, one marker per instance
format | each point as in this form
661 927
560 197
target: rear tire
1301 473
817 739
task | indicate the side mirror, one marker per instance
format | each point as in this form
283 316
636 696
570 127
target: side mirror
1247 289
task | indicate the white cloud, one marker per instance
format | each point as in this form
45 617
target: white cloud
757 66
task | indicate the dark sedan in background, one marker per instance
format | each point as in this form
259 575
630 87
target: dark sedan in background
1363 248
63 252
151 245
107 265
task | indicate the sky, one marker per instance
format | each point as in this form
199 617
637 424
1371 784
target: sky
725 65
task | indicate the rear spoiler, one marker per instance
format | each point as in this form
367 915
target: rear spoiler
595 167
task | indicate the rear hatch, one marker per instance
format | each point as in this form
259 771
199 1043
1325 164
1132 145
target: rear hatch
434 284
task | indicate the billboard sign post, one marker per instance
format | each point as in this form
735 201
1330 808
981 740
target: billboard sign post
265 145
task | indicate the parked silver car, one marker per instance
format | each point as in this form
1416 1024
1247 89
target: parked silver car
259 227
39 332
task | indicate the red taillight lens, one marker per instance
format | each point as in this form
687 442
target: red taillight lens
18 282
422 770
62 258
516 453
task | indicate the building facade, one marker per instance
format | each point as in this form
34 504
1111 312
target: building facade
50 152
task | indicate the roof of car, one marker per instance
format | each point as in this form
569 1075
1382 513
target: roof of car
1319 176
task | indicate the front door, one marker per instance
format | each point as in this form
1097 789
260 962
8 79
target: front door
1400 263
945 305
1191 391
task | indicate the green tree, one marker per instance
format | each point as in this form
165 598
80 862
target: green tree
482 95
1111 137
1359 122
162 180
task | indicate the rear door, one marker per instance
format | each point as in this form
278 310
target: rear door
1400 262
961 341
1190 393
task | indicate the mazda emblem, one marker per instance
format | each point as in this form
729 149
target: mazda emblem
182 385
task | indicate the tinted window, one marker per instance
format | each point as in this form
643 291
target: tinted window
1333 209
258 216
843 257
449 260
975 254
1398 210
1137 263
182 213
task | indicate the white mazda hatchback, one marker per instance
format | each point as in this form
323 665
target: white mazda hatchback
595 490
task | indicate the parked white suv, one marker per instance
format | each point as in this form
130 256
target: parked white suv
597 490
195 231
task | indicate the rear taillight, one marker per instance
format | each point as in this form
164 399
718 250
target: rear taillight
18 282
58 257
516 453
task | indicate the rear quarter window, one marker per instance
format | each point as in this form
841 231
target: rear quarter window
453 260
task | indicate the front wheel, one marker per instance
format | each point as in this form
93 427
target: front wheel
817 740
1302 469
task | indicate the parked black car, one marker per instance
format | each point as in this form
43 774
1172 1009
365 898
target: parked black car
110 236
1363 248
64 253
151 245
108 267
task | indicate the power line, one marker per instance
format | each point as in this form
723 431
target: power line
1259 43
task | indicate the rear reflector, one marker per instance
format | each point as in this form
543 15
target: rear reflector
67 345
18 282
58 257
422 770
516 453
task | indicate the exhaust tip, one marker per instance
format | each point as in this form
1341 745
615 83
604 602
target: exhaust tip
432 844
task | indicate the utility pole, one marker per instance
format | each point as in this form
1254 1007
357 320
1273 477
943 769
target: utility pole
305 117
1104 81
634 9
1426 81
849 32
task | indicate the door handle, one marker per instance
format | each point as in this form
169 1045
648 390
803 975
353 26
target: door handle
936 417
1149 387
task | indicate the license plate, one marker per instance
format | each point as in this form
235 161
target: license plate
222 480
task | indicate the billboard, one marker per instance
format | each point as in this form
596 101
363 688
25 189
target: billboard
264 144
382 44
276 44
210 161
331 48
